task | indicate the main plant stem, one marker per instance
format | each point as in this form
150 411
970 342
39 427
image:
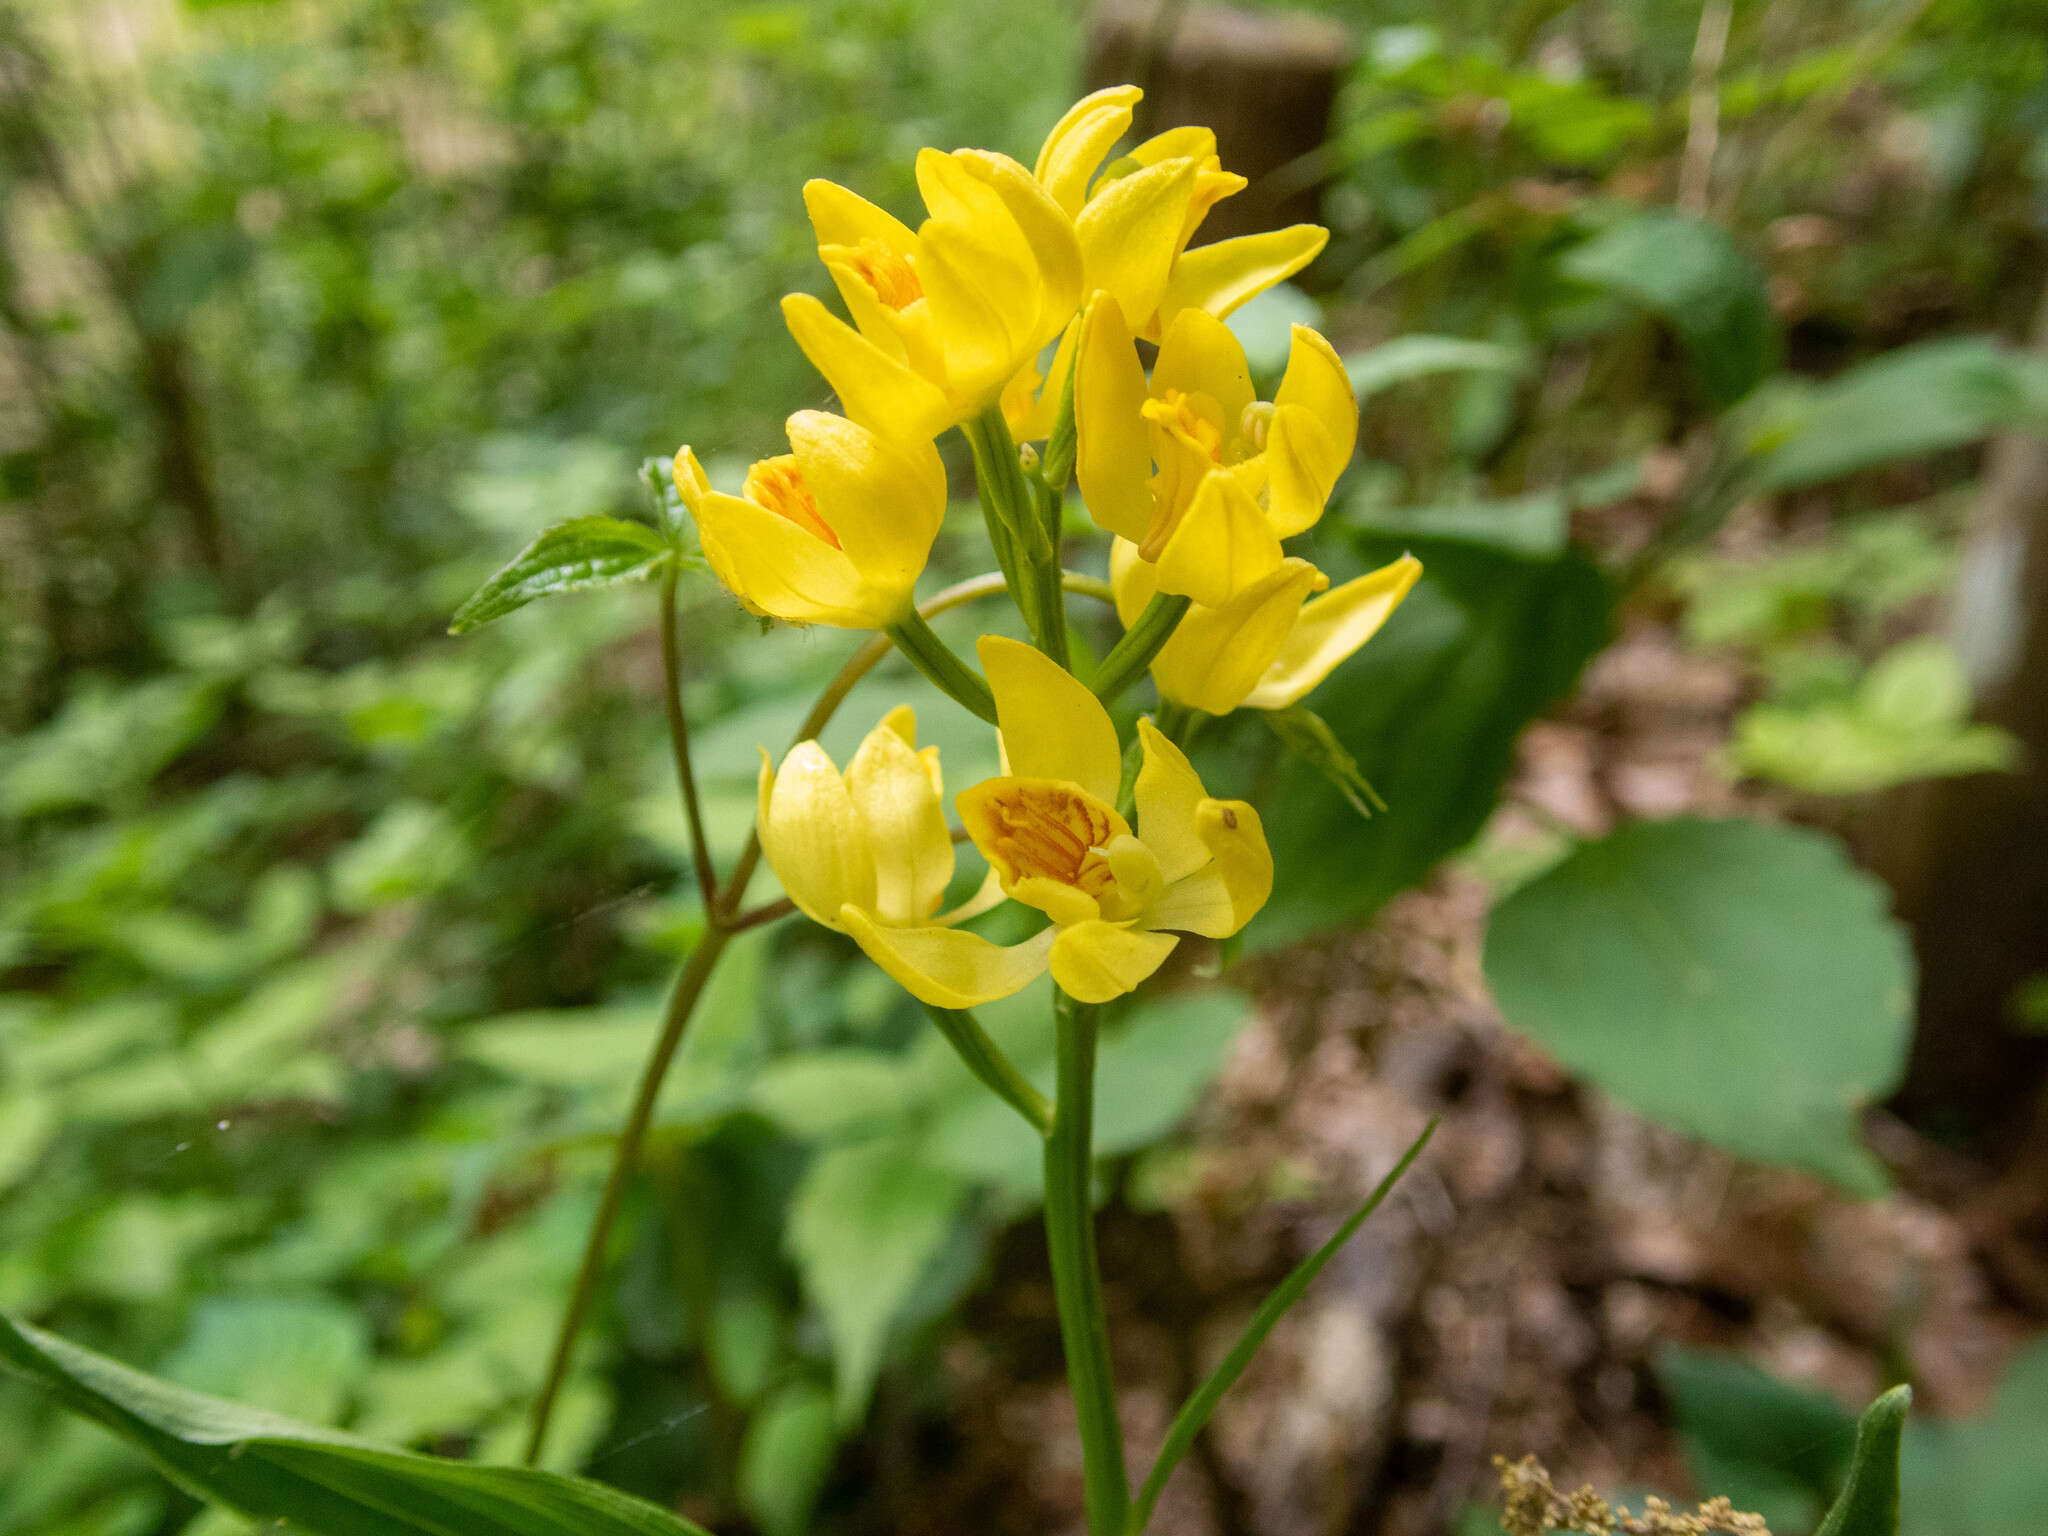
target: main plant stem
1076 1277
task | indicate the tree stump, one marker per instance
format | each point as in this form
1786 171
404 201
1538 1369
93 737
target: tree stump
1266 81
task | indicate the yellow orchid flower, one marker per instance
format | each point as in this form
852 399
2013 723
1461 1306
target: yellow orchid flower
1134 223
1272 642
946 316
867 853
1049 827
835 532
1191 466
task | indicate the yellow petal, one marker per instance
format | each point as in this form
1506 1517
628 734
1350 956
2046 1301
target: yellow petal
1035 421
1301 467
1047 228
1200 355
1041 836
1062 903
983 329
1168 795
884 500
912 849
781 569
1221 276
1330 628
1140 880
1129 233
986 898
1218 655
876 390
949 967
1186 143
1222 545
1094 962
1052 726
1199 903
813 837
692 484
1112 456
1238 840
840 217
1317 381
1074 149
876 322
1132 581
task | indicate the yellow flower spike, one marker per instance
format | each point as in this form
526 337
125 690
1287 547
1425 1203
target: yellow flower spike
1050 830
944 318
868 853
835 532
1330 629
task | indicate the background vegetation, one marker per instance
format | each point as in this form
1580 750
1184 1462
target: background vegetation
332 944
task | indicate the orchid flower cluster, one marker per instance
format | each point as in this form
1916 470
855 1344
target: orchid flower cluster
1200 482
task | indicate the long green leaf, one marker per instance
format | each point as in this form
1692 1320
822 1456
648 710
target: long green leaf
265 1467
1869 1505
1196 1411
575 556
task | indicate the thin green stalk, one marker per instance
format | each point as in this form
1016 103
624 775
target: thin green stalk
1008 498
1076 1280
679 739
1129 658
985 1059
935 659
682 1002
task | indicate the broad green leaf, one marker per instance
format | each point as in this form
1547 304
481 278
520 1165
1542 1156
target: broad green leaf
575 556
298 1356
1693 277
1537 525
1740 982
1430 711
266 1467
1869 1505
1420 357
830 1093
1984 1476
863 1224
1770 1447
1904 404
412 849
1197 1410
105 742
789 1448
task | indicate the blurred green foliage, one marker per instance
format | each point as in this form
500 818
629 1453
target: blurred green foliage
331 945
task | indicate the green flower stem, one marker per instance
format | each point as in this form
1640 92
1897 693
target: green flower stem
679 739
948 673
1076 1281
682 1002
1129 658
1009 502
985 1059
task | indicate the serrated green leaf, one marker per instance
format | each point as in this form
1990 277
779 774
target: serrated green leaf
1738 981
576 556
266 1467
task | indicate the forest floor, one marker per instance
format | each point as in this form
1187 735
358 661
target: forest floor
1515 1293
